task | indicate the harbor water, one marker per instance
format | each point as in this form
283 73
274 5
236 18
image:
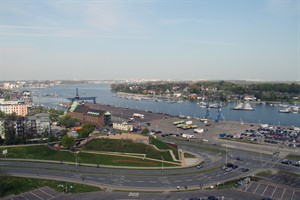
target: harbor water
263 113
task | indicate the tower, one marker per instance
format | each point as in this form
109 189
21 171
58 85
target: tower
77 94
207 115
219 113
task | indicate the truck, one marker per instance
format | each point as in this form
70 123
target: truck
223 135
180 125
188 136
198 130
138 115
178 122
189 122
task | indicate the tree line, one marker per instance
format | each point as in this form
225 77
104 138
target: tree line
223 90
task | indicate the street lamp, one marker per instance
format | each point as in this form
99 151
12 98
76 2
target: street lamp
76 154
162 165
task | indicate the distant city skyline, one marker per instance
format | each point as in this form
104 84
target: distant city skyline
159 39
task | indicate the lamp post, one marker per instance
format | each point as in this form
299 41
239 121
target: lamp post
226 154
162 165
76 154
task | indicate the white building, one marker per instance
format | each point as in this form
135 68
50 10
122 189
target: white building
123 127
9 107
2 128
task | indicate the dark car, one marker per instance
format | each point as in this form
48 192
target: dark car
239 158
212 198
234 166
286 161
199 166
244 169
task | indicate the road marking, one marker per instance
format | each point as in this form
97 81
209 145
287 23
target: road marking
275 162
133 194
140 181
36 195
273 192
56 196
248 186
256 188
283 193
265 191
22 196
293 195
46 193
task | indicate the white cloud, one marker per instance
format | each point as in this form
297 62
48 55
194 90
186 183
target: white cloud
211 42
41 31
181 21
25 27
284 7
106 17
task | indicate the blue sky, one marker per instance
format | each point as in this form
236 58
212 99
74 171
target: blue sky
176 40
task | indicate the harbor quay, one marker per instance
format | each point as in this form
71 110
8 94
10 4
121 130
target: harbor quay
163 125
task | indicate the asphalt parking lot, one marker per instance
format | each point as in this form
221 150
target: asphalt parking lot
272 191
43 193
286 179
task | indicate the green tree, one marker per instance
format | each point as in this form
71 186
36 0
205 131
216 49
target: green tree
67 121
68 142
86 130
10 130
2 115
145 131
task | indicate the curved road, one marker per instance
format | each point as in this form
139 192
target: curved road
155 179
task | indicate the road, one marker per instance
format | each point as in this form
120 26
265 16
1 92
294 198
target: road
153 179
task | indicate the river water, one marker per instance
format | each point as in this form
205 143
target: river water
265 114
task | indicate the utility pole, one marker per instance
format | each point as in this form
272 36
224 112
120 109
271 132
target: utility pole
226 153
76 154
162 165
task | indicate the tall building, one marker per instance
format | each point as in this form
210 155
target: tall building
18 107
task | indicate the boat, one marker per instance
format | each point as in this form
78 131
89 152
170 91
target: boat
286 110
243 106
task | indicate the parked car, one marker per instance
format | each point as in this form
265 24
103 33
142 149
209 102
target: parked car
239 158
228 169
286 161
199 166
244 169
297 163
212 198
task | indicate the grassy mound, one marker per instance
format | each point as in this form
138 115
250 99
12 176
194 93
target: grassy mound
126 146
43 152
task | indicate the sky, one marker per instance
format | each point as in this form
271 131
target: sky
149 39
